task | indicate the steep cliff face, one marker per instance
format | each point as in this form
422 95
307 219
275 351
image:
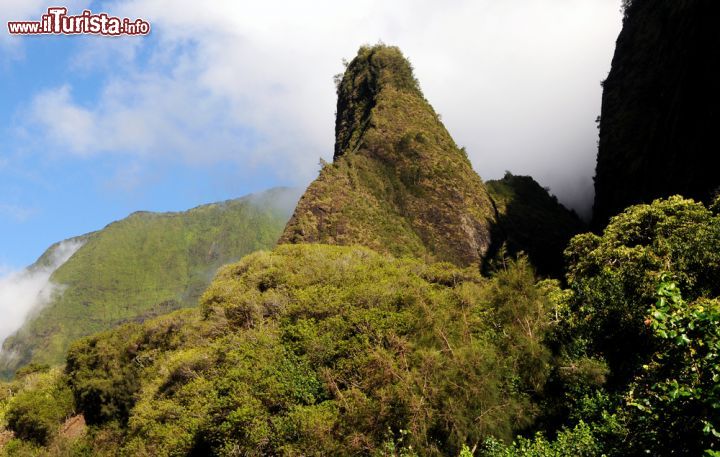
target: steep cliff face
661 107
398 182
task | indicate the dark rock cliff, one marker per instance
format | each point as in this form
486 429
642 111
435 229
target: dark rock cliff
661 107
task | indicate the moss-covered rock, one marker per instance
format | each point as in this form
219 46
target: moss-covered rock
398 183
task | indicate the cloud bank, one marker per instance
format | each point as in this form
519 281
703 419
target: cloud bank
517 83
28 290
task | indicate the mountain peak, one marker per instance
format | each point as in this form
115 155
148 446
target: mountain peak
398 182
376 68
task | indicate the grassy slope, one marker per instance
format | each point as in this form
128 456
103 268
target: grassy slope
398 183
144 265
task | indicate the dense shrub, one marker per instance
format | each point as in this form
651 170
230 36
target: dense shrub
675 402
103 384
614 276
625 307
104 370
576 442
36 412
322 350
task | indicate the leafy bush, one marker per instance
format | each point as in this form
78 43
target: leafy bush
676 399
576 442
662 398
614 276
104 370
103 386
35 413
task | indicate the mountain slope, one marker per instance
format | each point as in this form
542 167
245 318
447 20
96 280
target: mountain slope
318 350
146 264
533 221
398 182
658 128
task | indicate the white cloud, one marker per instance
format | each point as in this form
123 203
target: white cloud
65 121
517 82
26 291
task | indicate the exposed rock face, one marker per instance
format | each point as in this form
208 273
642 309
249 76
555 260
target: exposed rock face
661 107
398 182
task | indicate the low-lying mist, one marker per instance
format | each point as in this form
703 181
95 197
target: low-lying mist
28 290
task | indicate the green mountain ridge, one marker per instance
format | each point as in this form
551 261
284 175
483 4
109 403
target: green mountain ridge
142 266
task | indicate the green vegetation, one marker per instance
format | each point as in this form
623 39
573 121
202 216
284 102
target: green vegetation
578 442
677 397
143 266
328 350
322 350
398 183
615 276
35 412
33 407
371 330
661 395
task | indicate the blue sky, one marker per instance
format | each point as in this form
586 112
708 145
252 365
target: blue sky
236 97
48 194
